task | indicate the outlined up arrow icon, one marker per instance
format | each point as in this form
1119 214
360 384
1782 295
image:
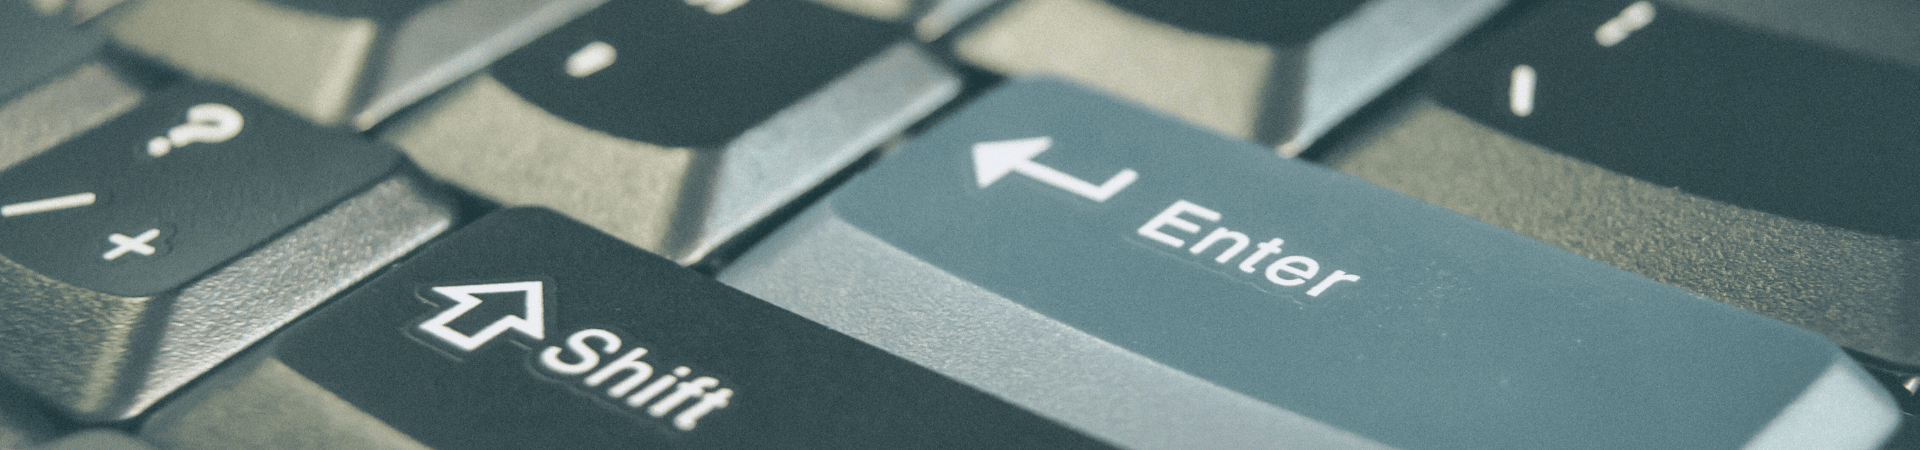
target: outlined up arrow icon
533 324
993 160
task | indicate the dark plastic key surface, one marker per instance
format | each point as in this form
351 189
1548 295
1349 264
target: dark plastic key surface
242 173
1278 73
38 47
1708 106
1767 164
1088 227
529 330
674 125
142 252
686 77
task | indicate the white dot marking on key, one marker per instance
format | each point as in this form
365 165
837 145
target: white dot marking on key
591 58
137 244
1635 17
717 7
1520 92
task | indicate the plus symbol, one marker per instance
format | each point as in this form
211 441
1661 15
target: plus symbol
137 244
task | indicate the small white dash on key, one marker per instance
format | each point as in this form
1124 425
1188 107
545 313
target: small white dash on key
1520 93
591 58
1635 17
717 7
44 205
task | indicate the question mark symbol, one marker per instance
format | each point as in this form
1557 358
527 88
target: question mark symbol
206 122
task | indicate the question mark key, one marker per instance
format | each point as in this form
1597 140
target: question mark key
231 171
205 216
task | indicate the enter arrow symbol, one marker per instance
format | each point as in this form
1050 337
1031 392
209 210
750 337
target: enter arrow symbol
993 160
533 324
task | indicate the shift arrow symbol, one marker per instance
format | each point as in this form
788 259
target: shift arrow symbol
993 160
532 325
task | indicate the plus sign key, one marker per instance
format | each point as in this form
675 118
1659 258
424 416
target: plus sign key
1162 286
139 254
527 329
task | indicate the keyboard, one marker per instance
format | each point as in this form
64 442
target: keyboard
458 224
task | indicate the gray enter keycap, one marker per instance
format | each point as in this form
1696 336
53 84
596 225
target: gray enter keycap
1160 286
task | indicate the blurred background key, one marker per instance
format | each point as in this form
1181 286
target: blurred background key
1764 154
336 61
675 125
38 47
1279 73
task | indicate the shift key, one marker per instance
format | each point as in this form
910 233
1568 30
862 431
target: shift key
529 330
1162 286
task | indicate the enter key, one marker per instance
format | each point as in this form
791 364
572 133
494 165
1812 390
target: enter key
1157 267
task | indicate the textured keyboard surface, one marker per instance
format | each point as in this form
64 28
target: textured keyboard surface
938 248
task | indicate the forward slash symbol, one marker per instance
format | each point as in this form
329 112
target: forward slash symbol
50 204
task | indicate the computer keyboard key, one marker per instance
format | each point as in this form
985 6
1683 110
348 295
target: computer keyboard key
1769 167
38 47
1281 74
337 62
142 252
1162 286
529 330
676 126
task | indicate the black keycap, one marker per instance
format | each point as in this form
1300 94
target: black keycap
141 253
676 126
529 330
1762 162
1709 106
190 179
686 77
